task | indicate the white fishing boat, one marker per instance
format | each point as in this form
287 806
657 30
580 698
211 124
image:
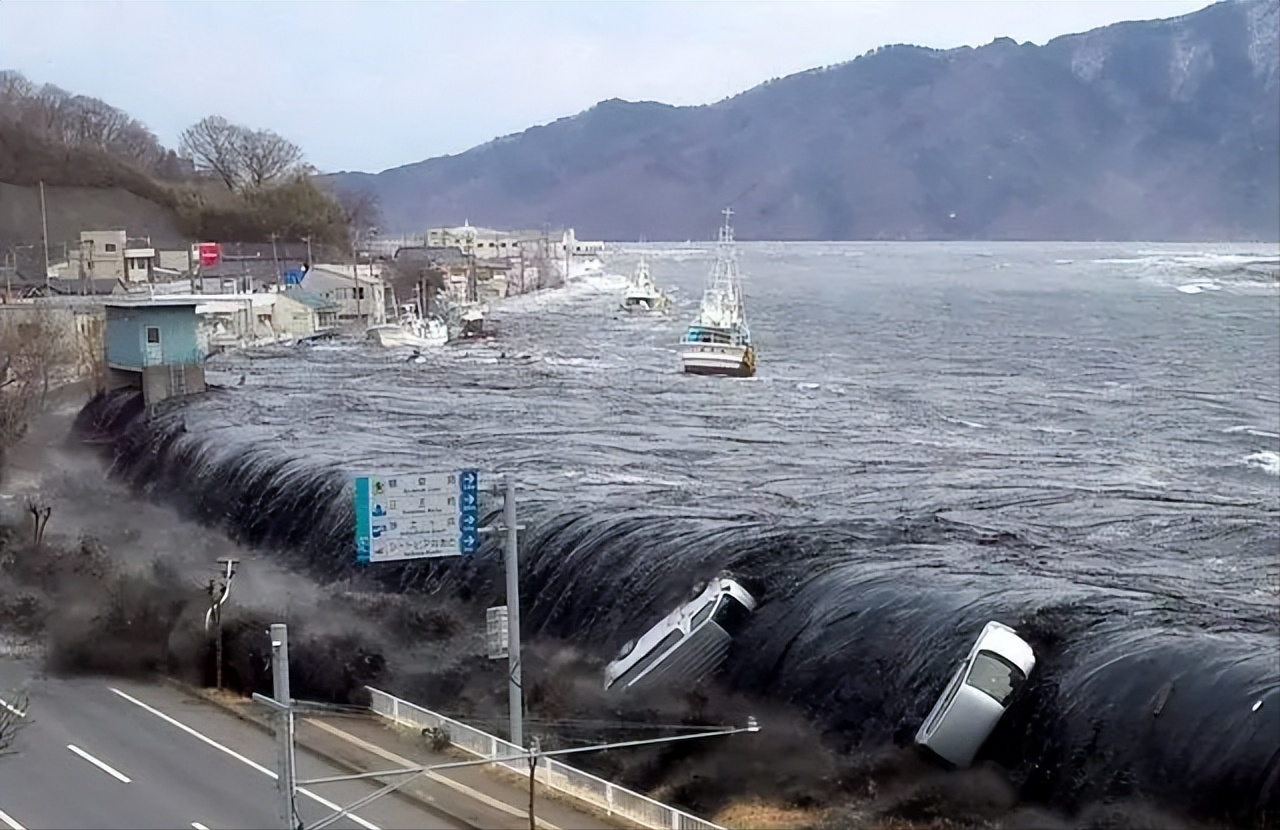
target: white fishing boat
465 320
410 329
718 341
643 295
471 321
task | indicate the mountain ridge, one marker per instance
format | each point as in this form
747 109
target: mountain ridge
1143 130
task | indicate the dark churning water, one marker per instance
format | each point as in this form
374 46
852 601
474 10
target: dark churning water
1081 440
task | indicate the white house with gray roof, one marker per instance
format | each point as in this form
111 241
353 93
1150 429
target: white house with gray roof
359 295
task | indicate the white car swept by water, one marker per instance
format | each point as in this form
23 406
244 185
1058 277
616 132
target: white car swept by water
688 643
978 695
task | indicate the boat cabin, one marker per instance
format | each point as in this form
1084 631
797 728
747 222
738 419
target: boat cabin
710 334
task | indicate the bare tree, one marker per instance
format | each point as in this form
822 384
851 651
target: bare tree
360 211
14 89
45 112
94 123
136 143
78 121
267 157
34 351
239 157
13 713
91 357
214 144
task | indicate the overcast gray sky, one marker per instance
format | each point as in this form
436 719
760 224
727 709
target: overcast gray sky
378 83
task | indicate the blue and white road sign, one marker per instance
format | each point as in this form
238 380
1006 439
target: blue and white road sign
416 515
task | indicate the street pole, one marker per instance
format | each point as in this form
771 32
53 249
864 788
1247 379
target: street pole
516 702
285 782
275 259
44 224
217 647
533 766
218 594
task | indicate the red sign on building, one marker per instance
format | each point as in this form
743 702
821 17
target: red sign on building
209 253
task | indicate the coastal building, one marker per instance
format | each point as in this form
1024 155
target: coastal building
358 291
174 261
102 254
488 243
153 344
235 321
323 313
111 254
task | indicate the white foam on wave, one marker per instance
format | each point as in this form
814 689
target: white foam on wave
1194 272
964 423
1267 461
1252 430
1049 430
1195 259
603 282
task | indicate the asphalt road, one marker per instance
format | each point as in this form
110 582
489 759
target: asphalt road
105 753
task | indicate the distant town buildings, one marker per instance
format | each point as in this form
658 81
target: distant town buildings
147 305
487 243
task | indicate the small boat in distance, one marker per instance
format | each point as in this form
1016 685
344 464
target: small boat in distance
718 341
643 295
410 329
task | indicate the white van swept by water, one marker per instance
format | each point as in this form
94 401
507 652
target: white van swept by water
978 695
688 643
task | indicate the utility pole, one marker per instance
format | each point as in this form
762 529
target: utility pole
516 701
44 224
218 594
310 259
275 257
355 279
534 748
287 772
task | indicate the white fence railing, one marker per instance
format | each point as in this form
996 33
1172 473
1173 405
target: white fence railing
597 792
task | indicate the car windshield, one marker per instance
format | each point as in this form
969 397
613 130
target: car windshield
731 615
995 676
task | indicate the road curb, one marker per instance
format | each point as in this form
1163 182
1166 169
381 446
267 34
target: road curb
341 763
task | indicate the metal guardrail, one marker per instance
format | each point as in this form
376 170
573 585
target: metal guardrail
585 787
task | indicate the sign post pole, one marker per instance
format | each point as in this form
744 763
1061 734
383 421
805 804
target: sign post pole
516 702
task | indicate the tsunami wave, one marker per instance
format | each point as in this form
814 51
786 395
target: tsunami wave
1136 693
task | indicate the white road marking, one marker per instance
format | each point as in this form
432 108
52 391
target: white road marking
198 826
5 705
114 773
324 802
8 820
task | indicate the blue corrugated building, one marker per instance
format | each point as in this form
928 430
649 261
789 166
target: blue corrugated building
154 345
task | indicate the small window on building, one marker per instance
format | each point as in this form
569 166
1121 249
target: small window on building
153 335
360 293
110 247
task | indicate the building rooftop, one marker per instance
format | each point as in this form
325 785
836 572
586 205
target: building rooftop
75 285
310 299
339 271
255 268
162 300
